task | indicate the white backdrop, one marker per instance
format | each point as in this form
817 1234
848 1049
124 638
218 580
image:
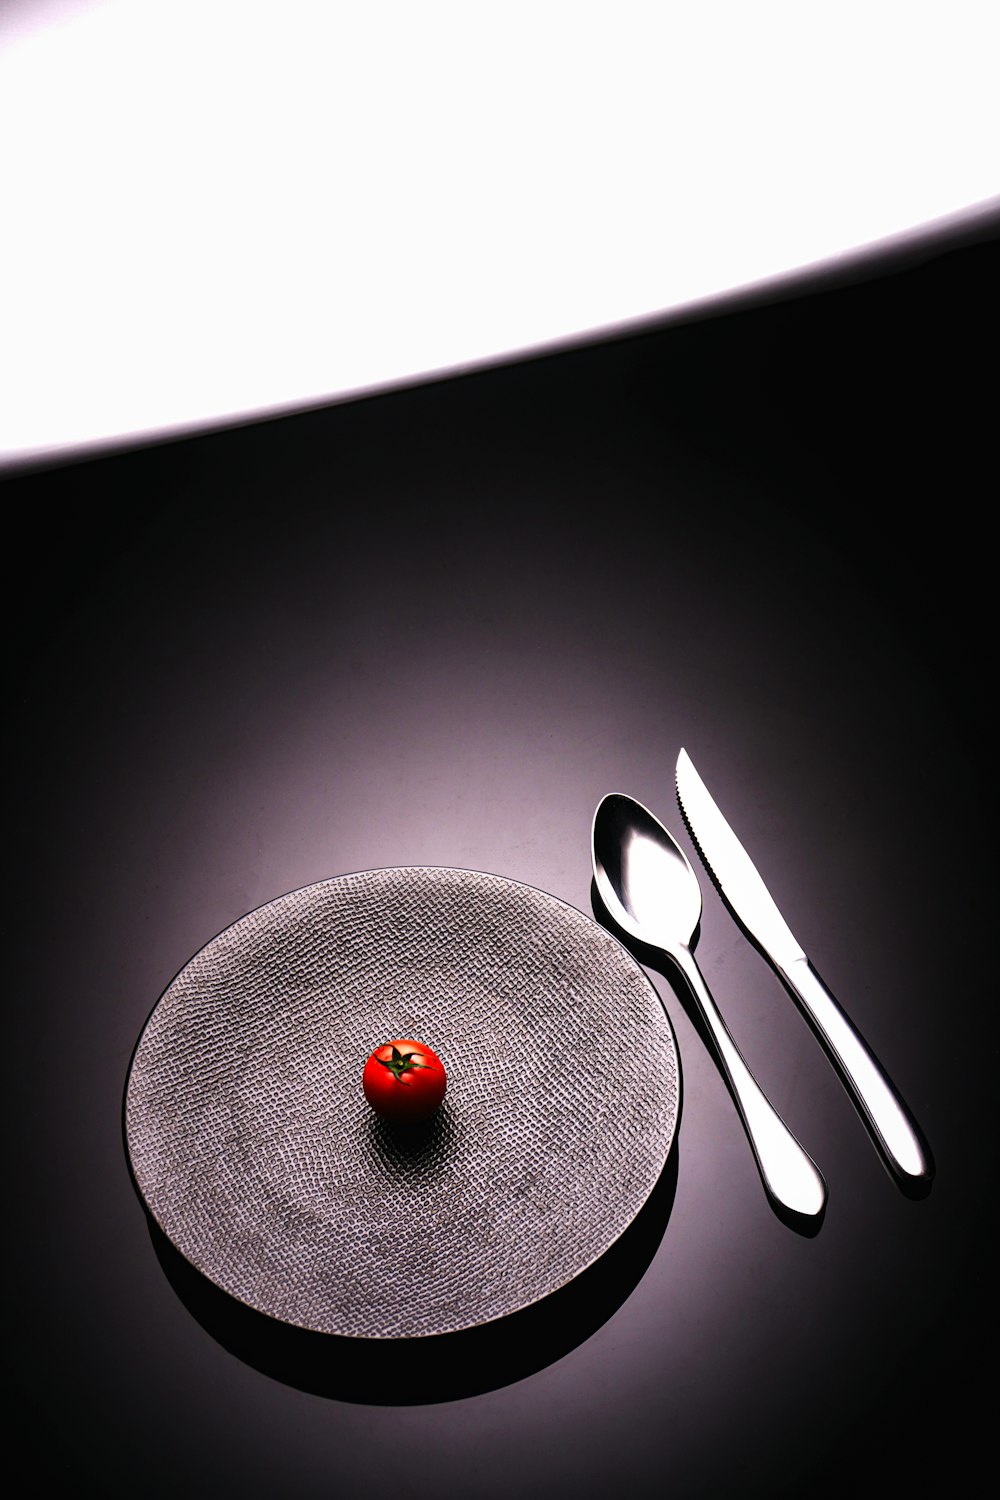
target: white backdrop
214 208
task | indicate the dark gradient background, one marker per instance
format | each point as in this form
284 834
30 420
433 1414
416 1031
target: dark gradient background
436 626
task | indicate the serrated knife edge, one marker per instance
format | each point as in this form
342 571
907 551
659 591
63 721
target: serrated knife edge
732 868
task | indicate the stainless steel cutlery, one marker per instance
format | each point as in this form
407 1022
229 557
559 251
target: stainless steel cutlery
652 894
892 1127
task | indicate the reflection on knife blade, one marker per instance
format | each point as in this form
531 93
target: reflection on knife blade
889 1122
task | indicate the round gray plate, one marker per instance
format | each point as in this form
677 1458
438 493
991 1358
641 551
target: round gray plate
258 1156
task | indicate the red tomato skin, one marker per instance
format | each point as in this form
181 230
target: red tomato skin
416 1093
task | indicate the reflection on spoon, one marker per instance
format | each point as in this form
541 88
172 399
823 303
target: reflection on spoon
652 893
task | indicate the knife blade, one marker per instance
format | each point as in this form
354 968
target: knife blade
890 1124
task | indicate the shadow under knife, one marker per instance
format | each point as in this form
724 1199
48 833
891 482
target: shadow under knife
437 1368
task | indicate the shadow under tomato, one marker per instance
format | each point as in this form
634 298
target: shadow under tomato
401 1146
445 1367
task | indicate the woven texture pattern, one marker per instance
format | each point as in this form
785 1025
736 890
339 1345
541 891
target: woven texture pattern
258 1155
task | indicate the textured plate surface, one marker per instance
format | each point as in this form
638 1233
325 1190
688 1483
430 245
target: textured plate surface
258 1155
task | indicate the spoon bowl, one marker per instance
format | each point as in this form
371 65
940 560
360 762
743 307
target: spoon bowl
643 876
651 892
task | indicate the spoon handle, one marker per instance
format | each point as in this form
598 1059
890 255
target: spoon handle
789 1174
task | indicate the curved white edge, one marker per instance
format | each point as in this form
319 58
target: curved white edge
974 224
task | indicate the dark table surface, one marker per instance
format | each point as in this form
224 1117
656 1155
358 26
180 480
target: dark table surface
435 626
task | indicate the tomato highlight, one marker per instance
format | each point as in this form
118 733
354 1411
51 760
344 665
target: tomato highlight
404 1080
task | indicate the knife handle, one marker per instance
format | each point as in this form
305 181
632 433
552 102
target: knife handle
789 1174
889 1122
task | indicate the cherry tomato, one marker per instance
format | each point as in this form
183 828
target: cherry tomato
404 1080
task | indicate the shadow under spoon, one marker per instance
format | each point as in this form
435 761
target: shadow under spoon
652 893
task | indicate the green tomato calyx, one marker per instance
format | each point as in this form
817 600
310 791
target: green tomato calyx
401 1063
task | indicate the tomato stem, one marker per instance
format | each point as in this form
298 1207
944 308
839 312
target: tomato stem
401 1063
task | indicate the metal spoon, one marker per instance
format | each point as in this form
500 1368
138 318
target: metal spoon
651 891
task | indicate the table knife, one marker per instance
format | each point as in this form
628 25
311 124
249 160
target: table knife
890 1124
